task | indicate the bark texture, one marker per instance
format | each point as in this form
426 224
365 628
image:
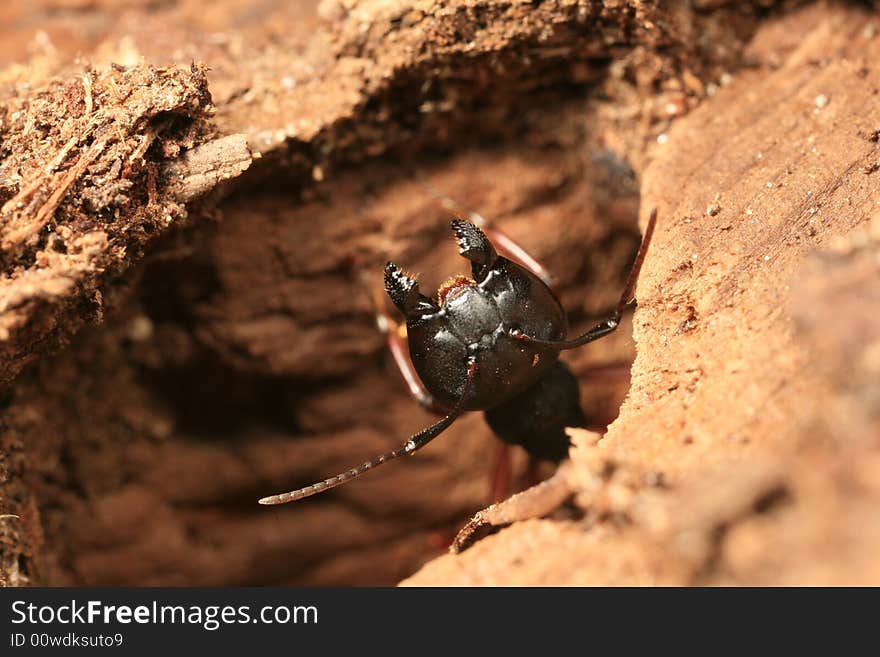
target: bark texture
188 251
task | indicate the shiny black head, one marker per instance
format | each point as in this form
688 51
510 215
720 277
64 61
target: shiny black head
479 317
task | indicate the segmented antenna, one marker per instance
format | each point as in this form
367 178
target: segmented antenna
611 323
333 482
633 278
418 441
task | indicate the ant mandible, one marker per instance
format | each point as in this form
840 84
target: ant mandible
489 343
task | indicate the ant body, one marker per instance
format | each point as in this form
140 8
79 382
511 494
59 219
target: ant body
490 343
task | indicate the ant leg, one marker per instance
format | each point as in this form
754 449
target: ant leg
610 324
613 372
415 443
501 473
395 340
506 246
618 372
513 251
533 472
533 502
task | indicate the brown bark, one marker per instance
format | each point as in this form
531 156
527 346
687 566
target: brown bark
754 390
237 355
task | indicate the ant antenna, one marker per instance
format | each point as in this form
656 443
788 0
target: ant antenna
630 288
415 443
610 324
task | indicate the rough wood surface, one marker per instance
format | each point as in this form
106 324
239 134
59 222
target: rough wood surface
237 355
83 189
765 452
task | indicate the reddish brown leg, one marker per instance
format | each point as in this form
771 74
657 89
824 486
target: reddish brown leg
505 245
533 473
395 339
610 373
615 372
501 475
513 251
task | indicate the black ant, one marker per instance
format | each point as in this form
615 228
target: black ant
488 343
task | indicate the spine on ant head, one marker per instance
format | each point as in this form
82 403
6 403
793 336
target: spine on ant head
333 482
